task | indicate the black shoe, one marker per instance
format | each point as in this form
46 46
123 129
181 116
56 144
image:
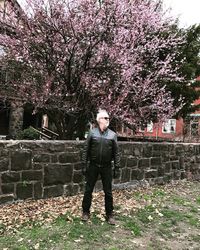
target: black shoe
85 217
110 219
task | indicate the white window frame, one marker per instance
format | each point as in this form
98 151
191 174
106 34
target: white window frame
141 129
150 127
169 126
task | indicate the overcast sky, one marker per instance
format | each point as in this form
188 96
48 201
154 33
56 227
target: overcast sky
188 11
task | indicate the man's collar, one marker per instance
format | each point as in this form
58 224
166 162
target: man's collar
103 130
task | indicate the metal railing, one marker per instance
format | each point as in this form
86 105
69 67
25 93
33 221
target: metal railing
46 134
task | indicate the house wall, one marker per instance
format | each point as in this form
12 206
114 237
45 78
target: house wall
156 134
42 169
158 131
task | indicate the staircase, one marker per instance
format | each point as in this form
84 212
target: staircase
46 134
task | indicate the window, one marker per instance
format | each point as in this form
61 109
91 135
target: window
142 128
169 126
150 127
194 128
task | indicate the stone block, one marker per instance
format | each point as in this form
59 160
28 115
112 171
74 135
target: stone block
57 146
165 158
24 190
151 174
137 174
147 150
38 190
182 162
71 189
160 147
126 149
4 164
144 163
32 175
183 175
156 154
53 191
4 153
161 171
173 158
81 187
159 181
175 165
126 175
20 160
197 159
54 158
137 150
78 177
38 166
168 167
70 149
156 161
123 162
177 175
168 177
8 177
57 174
41 158
179 150
78 166
131 162
69 157
8 188
6 198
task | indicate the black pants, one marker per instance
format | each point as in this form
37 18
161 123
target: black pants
91 179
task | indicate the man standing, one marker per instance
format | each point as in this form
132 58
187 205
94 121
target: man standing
100 150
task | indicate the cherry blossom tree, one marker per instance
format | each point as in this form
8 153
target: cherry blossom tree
75 57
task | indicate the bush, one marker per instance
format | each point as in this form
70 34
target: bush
28 134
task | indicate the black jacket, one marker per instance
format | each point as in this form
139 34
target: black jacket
101 148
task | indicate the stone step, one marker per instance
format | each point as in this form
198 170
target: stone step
6 198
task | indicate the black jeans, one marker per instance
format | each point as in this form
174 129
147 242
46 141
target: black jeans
91 178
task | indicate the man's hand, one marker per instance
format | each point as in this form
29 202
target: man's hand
116 173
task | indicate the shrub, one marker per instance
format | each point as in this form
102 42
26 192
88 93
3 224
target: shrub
28 134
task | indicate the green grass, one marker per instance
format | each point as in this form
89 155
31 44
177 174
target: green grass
131 224
60 232
159 193
179 200
198 200
165 217
172 214
194 209
195 238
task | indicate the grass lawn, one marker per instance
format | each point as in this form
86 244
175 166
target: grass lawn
161 217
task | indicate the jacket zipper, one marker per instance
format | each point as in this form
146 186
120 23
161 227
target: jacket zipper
101 150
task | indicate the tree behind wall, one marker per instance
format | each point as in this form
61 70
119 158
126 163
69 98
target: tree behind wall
78 56
189 55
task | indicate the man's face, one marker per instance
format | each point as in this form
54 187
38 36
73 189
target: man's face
104 121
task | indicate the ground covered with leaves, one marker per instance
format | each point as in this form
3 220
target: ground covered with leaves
159 217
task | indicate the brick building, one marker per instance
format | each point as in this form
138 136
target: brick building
187 130
14 114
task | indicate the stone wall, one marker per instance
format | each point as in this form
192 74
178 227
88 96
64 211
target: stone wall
42 169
